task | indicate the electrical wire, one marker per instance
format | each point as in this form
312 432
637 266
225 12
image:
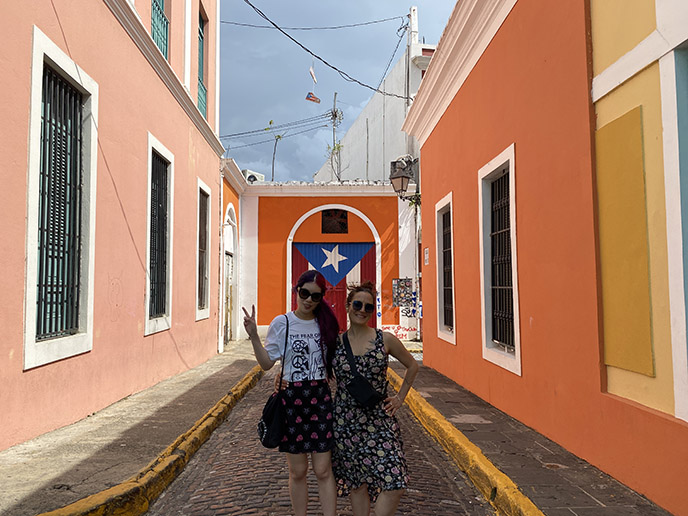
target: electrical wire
400 31
334 27
343 74
273 140
286 125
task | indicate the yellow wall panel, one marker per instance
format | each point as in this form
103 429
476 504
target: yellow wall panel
644 90
624 249
618 26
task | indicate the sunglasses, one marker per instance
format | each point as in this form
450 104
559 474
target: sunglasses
358 305
304 293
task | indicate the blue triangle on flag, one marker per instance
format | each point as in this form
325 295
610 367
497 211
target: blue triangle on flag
333 260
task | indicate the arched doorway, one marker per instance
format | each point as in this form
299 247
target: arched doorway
229 238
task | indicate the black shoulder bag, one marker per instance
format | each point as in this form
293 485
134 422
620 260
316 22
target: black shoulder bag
271 426
359 387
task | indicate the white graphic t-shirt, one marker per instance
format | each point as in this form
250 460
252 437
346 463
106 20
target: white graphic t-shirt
304 358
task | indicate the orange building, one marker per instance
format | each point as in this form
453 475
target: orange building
110 192
546 284
348 232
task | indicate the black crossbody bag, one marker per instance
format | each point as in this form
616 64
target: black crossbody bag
359 387
272 424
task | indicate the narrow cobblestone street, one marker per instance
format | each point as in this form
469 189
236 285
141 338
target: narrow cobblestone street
233 474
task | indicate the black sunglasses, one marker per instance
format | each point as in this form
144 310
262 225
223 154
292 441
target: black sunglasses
304 293
358 305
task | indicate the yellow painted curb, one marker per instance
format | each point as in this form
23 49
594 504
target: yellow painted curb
495 486
134 496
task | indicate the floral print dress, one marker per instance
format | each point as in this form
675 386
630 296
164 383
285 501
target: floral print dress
368 447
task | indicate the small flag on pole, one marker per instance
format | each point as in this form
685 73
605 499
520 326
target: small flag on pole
312 98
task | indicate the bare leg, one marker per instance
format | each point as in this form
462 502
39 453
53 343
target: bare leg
298 489
387 502
360 503
322 466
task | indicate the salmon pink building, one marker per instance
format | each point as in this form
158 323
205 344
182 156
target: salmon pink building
110 203
553 174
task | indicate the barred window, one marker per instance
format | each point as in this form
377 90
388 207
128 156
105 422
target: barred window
335 221
447 271
160 25
59 217
203 250
502 288
158 236
202 89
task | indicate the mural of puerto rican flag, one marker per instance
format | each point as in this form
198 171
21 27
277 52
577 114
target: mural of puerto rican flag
340 264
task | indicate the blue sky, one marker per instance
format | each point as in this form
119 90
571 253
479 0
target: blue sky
265 76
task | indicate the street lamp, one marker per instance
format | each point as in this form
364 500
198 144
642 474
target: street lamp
402 171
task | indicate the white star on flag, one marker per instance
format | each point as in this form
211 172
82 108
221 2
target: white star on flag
333 258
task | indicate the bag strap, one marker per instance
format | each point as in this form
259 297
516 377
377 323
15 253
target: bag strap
284 355
349 353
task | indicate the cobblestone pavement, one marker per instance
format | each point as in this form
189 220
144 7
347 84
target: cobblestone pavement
233 474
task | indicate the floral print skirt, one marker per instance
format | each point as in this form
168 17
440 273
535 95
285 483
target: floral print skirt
308 407
368 446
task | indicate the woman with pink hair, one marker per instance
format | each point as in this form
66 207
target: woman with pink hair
307 361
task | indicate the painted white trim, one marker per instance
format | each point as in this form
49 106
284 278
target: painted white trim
47 351
164 322
373 230
205 312
248 263
132 24
494 354
671 31
443 332
644 54
230 219
354 189
187 45
470 28
672 189
232 173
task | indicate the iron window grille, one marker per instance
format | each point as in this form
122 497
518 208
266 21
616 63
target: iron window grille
59 215
202 250
158 237
502 286
202 90
159 25
447 273
335 221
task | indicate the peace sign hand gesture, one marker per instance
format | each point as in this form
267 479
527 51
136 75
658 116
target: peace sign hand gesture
250 321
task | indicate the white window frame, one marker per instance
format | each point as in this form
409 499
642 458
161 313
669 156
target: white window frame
486 175
202 187
51 350
164 322
443 332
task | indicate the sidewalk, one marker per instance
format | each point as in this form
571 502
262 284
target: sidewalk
106 449
556 481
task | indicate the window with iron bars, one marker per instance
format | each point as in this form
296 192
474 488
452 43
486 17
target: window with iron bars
158 237
502 286
447 272
59 218
202 250
160 25
202 90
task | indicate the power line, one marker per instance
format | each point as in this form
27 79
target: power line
400 31
344 75
286 125
334 27
272 140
